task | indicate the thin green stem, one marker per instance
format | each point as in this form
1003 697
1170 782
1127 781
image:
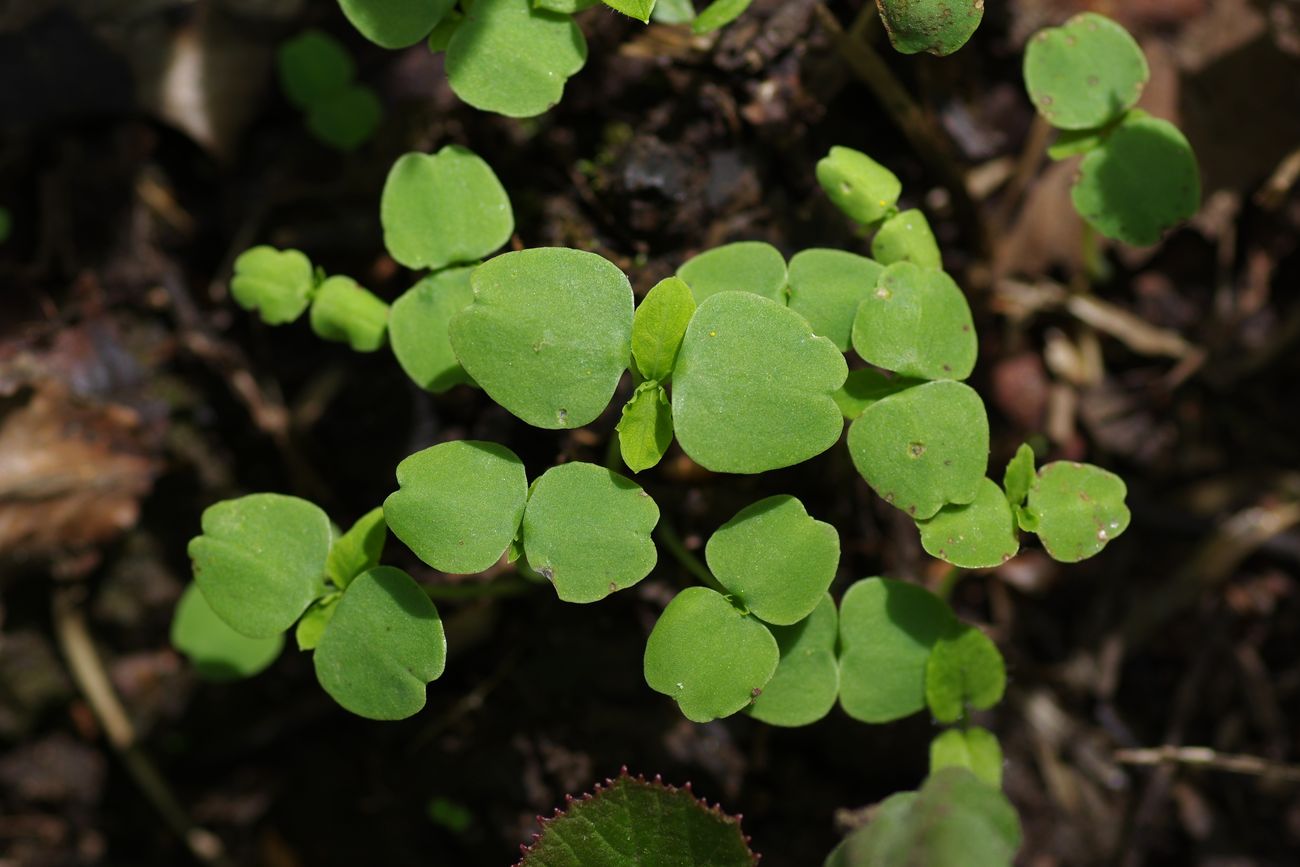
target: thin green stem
669 539
949 582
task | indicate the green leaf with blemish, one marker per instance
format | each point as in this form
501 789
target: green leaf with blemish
807 679
710 657
939 27
443 209
887 629
418 326
978 535
357 550
923 448
512 59
344 312
278 284
973 748
261 560
753 386
587 530
1143 180
1019 475
916 322
907 237
965 668
382 646
858 185
458 504
548 335
217 651
395 23
775 558
659 326
826 287
866 386
1085 73
645 430
745 266
1076 509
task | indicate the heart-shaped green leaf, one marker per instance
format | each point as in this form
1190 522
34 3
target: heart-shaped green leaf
978 535
278 284
587 530
826 287
512 59
459 504
965 668
659 326
865 387
646 429
346 120
261 560
1019 475
937 26
1085 73
548 335
418 329
807 679
358 550
886 631
775 559
313 66
1143 180
1076 509
753 386
395 23
443 209
708 656
216 651
344 312
916 323
383 644
907 237
973 748
746 266
924 447
858 185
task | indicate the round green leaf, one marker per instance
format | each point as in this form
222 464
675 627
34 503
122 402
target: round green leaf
865 387
382 645
858 185
826 287
1076 509
924 447
708 656
358 550
886 631
973 748
313 67
418 329
937 26
261 560
746 266
753 386
807 679
442 209
587 530
906 237
979 535
216 651
775 559
646 429
512 59
1143 180
395 23
1085 73
346 120
659 326
917 323
344 312
458 504
278 284
965 668
548 335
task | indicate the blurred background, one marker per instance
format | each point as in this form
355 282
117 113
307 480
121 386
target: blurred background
146 143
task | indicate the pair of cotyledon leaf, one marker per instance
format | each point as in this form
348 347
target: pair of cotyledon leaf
318 76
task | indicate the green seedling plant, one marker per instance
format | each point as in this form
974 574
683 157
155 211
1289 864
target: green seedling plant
318 77
1138 176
